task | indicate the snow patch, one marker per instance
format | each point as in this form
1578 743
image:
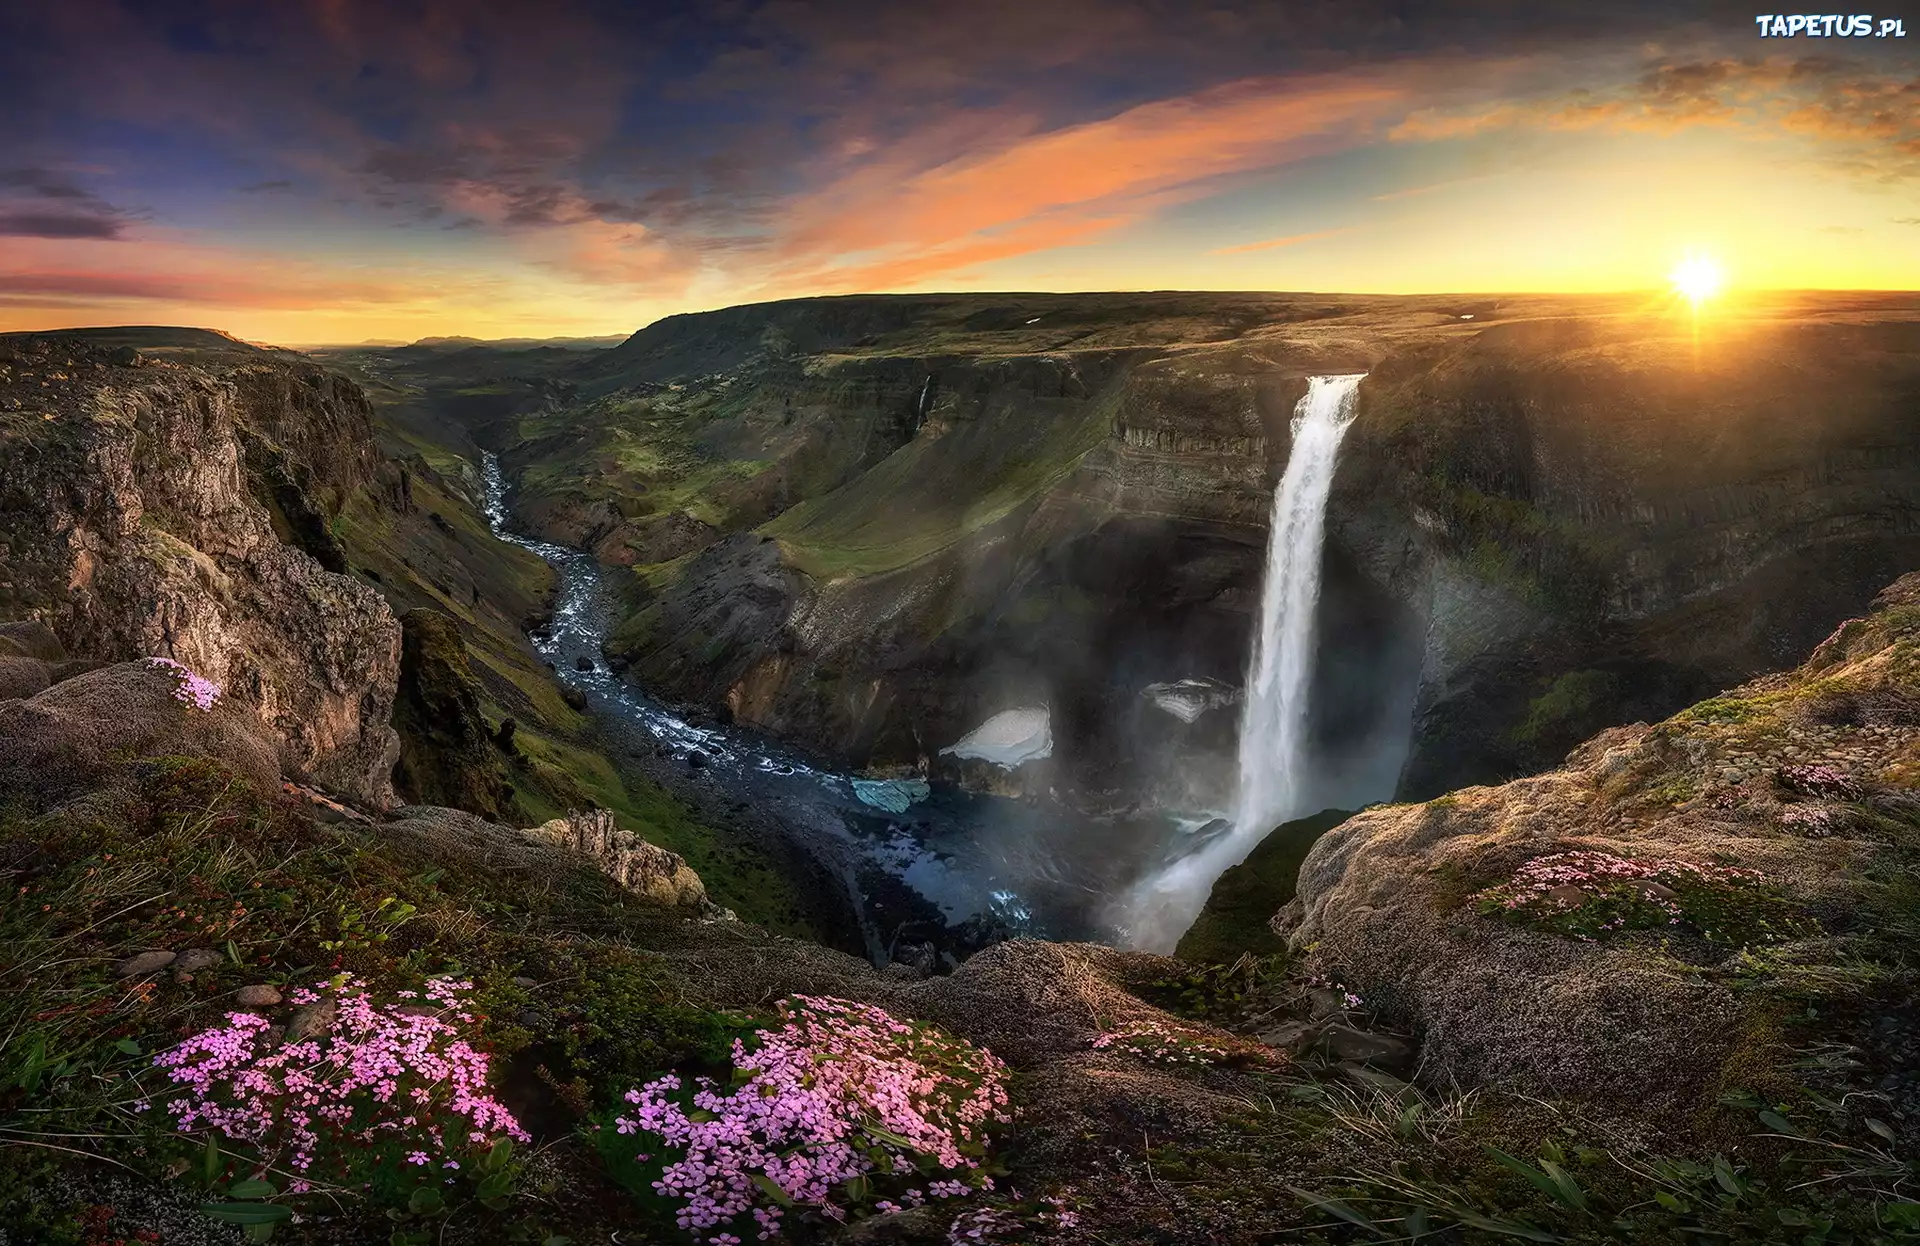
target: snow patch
1008 738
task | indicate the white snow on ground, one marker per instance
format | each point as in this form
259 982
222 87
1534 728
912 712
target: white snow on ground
1008 738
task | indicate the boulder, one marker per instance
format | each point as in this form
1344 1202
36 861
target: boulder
30 638
22 677
78 732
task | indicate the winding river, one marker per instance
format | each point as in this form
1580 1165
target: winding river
991 865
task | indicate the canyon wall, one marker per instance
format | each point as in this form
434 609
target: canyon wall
176 502
911 514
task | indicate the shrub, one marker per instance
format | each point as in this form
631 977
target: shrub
842 1103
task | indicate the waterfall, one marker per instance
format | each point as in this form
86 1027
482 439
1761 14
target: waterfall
1274 711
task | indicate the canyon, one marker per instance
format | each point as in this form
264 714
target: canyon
755 655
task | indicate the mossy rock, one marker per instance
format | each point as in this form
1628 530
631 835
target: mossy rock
447 755
1245 898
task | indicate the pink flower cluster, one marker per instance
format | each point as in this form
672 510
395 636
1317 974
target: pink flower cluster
1814 821
1818 780
1168 1042
381 1074
194 689
839 1092
1597 871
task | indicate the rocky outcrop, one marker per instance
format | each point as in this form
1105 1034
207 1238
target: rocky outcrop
1808 778
642 868
1596 520
447 754
136 527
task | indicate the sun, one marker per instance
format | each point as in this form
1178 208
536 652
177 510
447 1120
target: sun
1698 278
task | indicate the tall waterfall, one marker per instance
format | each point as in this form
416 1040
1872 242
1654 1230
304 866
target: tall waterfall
1273 716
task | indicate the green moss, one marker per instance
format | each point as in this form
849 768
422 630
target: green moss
1236 917
1570 707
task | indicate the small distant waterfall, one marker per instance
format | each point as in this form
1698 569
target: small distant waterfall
1273 716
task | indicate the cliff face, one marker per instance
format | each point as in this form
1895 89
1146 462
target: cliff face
1551 516
143 494
1598 520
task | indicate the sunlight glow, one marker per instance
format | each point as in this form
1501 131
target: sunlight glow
1698 278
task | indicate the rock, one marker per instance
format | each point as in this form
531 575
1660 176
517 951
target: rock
696 760
143 964
197 958
258 995
22 677
635 864
149 535
1326 1002
182 978
1345 1042
1651 890
524 983
1568 896
77 732
447 756
311 1020
583 663
574 697
1292 1036
31 638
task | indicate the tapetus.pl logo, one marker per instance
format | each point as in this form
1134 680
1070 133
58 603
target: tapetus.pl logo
1829 26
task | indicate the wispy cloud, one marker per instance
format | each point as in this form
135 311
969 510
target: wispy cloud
1271 244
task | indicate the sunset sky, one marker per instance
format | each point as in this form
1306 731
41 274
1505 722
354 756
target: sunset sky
309 171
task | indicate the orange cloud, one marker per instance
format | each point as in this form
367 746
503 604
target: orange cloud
1031 190
1272 243
160 270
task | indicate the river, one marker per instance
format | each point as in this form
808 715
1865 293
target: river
990 867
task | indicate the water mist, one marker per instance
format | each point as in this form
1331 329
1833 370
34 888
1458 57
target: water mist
1274 712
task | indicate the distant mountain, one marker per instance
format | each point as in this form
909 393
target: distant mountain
150 337
520 343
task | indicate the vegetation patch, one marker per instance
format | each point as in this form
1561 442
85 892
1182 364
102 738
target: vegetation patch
840 1110
1595 895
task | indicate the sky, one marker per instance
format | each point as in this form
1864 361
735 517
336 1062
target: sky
332 171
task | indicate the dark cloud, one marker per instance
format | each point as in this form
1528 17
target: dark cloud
26 213
465 222
266 188
57 225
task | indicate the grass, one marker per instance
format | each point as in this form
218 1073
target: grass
188 855
935 491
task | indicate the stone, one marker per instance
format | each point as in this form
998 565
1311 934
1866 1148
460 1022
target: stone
583 663
696 760
1651 890
197 958
524 983
1568 896
1326 1002
258 995
574 697
182 978
1345 1042
144 963
642 868
312 1020
1293 1036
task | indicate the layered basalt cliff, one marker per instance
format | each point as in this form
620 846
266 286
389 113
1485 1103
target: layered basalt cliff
147 497
1560 513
